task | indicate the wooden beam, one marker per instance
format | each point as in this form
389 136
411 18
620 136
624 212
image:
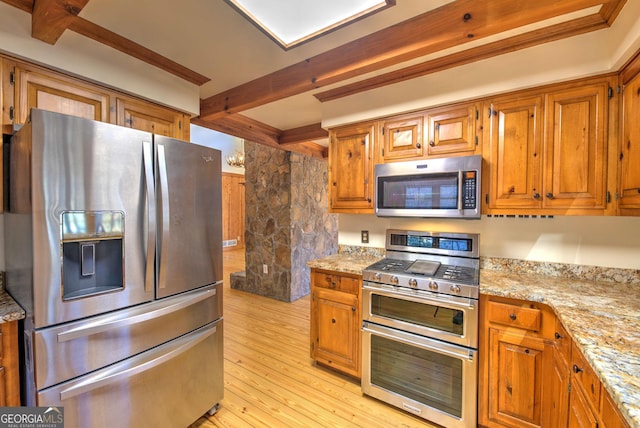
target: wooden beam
115 41
50 18
609 11
303 134
109 38
258 132
450 25
512 44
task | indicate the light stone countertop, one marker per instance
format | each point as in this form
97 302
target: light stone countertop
602 316
9 309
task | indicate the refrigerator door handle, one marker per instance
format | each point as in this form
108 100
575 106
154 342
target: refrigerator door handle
101 326
164 194
143 364
151 210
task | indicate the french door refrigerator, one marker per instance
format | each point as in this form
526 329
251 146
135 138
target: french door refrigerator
113 243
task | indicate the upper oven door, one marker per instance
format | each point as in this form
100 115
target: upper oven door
449 318
448 187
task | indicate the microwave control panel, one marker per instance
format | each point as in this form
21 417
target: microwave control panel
469 187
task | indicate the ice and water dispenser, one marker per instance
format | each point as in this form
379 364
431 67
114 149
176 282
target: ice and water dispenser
92 253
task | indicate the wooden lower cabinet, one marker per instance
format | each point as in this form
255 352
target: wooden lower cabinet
9 369
335 320
533 375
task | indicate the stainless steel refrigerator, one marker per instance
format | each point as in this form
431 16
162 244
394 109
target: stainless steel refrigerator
113 244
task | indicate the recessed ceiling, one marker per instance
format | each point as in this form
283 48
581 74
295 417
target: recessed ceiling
292 22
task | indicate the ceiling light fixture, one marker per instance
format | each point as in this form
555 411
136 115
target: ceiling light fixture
292 22
236 159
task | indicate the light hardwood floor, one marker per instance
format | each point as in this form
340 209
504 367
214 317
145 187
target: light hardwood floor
269 378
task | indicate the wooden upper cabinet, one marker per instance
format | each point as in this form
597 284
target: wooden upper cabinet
351 183
6 95
629 179
453 130
149 117
401 138
54 92
513 147
576 147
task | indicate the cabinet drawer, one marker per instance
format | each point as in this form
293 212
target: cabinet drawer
336 282
584 374
515 316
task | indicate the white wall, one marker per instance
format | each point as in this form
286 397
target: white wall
227 144
594 241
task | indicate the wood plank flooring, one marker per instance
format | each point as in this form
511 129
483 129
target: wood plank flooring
270 381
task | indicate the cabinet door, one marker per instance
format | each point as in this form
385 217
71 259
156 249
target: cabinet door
43 90
335 330
513 143
233 203
515 378
351 169
580 414
452 130
556 395
576 148
151 118
629 187
402 138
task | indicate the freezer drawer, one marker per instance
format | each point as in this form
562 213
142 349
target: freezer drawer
169 386
73 349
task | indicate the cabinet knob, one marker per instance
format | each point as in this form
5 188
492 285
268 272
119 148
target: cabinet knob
432 143
577 369
536 196
420 145
557 336
333 321
513 317
550 195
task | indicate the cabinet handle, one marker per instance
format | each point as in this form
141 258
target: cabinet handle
418 145
577 369
353 308
550 195
558 336
513 317
333 320
536 196
432 143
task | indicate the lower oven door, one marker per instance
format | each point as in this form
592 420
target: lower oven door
427 377
449 318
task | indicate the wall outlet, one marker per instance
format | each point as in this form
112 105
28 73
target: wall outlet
364 236
265 269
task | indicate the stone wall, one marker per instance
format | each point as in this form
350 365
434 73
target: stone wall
286 221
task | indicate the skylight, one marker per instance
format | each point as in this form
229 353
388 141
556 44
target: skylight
292 22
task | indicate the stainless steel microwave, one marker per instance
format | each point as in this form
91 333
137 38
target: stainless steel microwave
445 188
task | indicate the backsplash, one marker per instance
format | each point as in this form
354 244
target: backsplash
564 270
529 267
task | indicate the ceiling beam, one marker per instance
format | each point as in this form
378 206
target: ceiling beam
249 129
303 134
50 18
113 40
500 47
450 25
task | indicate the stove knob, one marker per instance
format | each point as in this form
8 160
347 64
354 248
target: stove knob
394 279
413 282
377 276
433 285
455 289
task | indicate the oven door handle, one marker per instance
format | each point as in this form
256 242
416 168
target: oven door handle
424 298
436 346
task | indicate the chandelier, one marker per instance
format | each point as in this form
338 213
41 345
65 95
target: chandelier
236 159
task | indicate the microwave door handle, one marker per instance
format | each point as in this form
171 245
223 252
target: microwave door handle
460 172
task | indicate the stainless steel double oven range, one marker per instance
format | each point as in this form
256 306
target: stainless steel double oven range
420 325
